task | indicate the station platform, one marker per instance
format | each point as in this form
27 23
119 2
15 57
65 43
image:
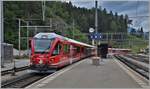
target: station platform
83 74
18 63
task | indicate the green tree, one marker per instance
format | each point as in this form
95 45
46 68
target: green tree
113 26
60 12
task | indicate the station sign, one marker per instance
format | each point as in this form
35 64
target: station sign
96 36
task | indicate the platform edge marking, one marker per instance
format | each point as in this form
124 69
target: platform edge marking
51 77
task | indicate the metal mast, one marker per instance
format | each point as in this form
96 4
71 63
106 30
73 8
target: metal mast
43 10
96 17
2 34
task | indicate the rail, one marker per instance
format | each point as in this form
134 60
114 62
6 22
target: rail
136 66
9 71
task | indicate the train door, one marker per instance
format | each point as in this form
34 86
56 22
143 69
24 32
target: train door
78 51
71 54
57 53
66 53
82 52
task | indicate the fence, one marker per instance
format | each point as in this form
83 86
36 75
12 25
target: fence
7 53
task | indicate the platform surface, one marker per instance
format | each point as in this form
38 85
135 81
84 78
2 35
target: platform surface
85 75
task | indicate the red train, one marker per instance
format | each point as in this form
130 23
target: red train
52 51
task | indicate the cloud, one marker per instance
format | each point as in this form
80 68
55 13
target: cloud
145 25
86 4
138 14
132 8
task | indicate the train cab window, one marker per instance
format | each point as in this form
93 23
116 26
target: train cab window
56 50
42 45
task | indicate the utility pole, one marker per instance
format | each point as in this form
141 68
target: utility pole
73 28
96 17
50 23
96 25
35 31
2 39
43 10
19 38
2 36
28 38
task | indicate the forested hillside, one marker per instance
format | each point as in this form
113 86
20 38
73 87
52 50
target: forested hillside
83 18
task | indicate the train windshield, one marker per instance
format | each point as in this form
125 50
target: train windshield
42 45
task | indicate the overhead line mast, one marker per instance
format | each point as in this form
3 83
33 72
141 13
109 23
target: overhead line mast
43 10
96 17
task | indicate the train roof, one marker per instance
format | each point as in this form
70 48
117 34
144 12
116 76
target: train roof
54 35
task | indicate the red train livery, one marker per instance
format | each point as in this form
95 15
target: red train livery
52 51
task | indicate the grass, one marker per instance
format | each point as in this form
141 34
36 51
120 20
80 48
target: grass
134 43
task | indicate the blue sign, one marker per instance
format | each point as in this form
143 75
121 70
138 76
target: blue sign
96 36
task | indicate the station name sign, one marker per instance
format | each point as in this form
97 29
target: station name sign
96 36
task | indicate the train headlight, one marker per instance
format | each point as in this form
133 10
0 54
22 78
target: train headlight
41 61
52 60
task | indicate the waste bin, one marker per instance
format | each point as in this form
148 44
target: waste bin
95 61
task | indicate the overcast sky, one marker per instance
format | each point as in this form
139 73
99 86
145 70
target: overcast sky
132 8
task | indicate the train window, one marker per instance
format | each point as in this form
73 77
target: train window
42 45
78 49
66 48
56 50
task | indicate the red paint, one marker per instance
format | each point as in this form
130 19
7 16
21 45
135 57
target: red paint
62 58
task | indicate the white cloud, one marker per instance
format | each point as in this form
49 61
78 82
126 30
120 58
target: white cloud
139 16
145 25
133 8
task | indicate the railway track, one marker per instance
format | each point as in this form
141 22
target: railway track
139 58
9 71
26 79
142 70
23 81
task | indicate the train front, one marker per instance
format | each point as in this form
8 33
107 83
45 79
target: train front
40 52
